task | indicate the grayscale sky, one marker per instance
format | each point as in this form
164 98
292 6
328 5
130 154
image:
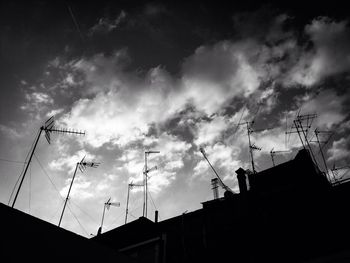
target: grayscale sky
167 76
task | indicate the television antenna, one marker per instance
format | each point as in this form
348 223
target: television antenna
130 186
48 128
252 147
145 183
107 205
82 167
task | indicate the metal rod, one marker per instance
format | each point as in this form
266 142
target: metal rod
273 161
221 182
70 187
127 204
250 148
27 166
103 216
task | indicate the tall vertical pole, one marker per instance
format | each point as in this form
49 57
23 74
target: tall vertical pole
250 147
70 187
103 216
127 204
27 166
145 188
272 159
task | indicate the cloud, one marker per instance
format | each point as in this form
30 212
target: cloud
209 131
328 105
68 162
36 100
329 55
214 75
9 132
339 150
106 25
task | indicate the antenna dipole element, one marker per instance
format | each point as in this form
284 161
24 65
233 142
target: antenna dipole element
251 147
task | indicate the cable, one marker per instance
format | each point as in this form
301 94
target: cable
92 219
11 161
48 177
77 220
24 166
76 23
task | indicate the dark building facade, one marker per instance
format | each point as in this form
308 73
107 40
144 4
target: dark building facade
288 213
24 238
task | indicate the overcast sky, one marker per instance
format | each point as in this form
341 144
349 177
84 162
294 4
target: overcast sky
139 76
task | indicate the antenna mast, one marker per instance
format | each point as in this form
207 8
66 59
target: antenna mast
252 147
82 167
145 187
130 186
48 127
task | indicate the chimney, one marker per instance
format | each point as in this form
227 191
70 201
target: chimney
242 183
156 216
214 184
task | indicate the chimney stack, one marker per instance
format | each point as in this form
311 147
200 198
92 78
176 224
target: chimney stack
156 216
214 184
242 183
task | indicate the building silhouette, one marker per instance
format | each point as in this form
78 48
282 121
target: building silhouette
288 213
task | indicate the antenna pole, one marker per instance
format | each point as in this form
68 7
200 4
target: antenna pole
250 147
145 187
28 164
272 157
70 187
127 203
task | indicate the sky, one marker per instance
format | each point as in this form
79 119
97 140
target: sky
169 77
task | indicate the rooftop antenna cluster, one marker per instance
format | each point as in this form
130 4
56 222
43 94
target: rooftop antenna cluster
145 183
48 128
82 167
